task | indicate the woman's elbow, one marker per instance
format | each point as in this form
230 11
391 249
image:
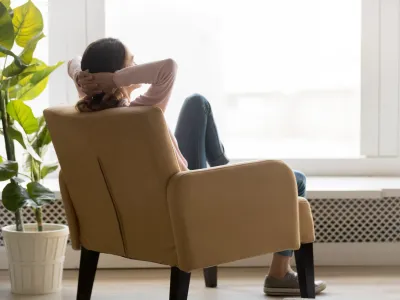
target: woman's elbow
171 65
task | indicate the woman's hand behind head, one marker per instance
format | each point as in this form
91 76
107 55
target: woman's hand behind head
96 83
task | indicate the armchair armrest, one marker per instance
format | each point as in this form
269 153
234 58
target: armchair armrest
229 213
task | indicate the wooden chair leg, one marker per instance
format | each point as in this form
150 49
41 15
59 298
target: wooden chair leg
211 277
305 269
87 273
179 286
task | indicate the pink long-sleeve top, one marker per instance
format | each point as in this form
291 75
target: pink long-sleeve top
161 77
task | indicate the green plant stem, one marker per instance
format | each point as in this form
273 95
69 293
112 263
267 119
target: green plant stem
7 138
35 168
10 153
39 218
9 120
24 175
4 66
19 220
9 143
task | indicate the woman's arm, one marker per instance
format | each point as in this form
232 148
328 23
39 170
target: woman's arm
161 75
74 67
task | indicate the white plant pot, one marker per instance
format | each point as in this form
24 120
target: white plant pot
36 259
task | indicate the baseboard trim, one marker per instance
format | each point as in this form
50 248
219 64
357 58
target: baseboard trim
357 254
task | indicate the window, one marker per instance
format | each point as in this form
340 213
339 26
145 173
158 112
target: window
314 82
283 76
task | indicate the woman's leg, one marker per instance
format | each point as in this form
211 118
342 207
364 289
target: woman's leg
301 180
281 280
280 265
197 134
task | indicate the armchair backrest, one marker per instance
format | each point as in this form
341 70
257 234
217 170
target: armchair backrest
116 165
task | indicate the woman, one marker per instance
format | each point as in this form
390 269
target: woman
109 78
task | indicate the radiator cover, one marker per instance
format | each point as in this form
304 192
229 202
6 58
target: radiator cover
336 220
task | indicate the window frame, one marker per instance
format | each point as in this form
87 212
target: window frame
380 80
68 38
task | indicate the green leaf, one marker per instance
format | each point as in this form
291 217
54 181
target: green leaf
28 146
17 60
41 121
40 194
27 54
12 70
23 114
14 196
42 139
16 135
36 65
35 170
17 180
31 203
26 57
8 169
11 12
28 22
1 159
47 169
33 85
6 3
6 27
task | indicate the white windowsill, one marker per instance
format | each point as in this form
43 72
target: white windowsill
329 187
353 187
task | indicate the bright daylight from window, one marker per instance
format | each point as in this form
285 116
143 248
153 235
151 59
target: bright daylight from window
283 76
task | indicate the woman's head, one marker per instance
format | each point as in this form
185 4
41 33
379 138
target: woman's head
105 55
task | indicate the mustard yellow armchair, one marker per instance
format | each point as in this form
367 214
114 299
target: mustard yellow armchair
124 194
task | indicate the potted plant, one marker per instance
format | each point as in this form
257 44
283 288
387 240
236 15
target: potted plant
35 251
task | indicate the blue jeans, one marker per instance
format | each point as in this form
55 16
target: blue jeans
199 141
197 134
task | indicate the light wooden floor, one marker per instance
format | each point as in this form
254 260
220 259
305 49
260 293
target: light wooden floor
234 284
